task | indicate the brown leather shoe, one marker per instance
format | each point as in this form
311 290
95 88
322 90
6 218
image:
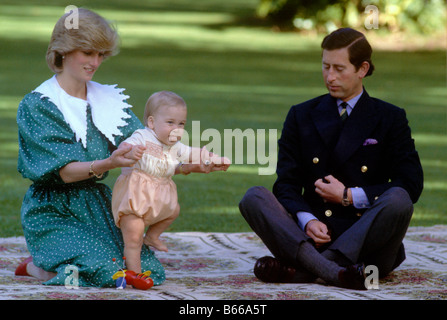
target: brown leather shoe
353 277
269 269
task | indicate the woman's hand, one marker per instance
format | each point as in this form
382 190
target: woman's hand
125 156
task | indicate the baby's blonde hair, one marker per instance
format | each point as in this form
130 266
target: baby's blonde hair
161 99
93 32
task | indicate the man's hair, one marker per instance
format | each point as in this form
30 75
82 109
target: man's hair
359 49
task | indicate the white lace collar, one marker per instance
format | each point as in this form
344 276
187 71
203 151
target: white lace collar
106 103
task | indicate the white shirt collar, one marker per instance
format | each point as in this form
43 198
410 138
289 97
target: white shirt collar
106 102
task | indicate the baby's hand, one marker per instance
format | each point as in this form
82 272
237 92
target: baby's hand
124 155
225 163
220 163
135 153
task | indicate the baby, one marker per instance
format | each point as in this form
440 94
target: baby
145 196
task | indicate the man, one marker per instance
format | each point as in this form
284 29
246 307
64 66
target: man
347 177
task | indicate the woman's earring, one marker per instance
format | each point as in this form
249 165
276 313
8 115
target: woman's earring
63 57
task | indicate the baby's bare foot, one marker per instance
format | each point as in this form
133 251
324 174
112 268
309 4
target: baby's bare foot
155 242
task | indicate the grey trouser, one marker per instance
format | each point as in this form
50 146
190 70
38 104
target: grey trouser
375 239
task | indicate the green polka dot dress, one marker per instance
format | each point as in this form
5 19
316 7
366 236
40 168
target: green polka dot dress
68 225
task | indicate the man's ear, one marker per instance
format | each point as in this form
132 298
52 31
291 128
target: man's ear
363 70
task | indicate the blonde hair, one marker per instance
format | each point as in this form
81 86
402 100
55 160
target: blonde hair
93 33
161 99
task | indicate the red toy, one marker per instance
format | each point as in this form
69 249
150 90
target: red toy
140 281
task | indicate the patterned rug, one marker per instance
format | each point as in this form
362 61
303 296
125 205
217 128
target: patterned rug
219 266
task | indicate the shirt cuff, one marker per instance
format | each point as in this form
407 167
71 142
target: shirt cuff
359 198
303 218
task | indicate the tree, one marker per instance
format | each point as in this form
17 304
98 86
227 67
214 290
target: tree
422 16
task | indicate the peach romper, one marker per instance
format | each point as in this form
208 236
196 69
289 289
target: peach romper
147 189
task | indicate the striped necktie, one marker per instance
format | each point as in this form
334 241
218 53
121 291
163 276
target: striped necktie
343 113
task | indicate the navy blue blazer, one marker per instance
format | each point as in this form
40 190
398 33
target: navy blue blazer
373 150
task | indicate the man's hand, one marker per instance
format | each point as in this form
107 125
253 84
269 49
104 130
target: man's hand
331 190
318 231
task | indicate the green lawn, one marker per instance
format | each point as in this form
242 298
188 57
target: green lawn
233 73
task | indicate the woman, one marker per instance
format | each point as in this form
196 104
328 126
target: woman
69 130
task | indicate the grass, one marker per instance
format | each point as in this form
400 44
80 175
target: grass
234 73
